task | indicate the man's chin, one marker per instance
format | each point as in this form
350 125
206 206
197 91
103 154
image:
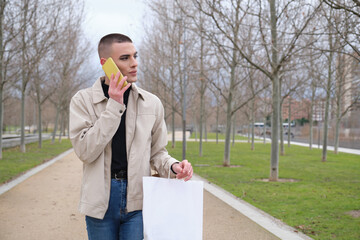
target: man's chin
131 80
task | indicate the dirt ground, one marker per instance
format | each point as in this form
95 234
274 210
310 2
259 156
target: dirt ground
45 207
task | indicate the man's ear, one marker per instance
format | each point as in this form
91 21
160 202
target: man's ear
102 61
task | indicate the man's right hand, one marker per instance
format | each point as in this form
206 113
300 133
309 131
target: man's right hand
115 90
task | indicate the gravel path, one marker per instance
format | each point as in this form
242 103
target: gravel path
45 207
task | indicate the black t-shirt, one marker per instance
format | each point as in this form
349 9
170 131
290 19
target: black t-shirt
118 146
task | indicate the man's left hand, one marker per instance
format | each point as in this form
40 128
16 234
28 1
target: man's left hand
183 170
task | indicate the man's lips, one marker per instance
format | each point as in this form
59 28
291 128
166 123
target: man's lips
133 73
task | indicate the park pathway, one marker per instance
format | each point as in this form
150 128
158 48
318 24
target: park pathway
44 206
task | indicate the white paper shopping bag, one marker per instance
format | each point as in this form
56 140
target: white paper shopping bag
172 209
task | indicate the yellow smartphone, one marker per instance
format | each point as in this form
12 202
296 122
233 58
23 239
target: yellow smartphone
110 67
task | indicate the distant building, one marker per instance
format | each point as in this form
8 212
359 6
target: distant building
348 75
299 109
347 78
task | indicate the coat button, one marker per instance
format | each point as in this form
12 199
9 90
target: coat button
121 111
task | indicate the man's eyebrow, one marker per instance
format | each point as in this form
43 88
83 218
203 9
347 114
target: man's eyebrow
128 55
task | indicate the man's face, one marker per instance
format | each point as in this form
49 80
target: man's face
124 55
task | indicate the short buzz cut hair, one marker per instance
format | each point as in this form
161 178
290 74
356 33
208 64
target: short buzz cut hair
106 42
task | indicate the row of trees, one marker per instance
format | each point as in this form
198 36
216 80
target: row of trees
42 56
234 54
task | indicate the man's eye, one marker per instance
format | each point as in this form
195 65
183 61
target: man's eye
135 56
123 58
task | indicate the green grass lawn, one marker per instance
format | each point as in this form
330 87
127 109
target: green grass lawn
316 205
14 162
221 136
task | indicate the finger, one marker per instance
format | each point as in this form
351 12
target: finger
112 77
185 174
190 175
183 166
126 87
117 76
181 175
122 83
187 167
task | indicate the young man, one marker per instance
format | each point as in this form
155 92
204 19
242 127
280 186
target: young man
119 134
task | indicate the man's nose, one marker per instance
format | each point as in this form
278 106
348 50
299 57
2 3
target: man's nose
134 62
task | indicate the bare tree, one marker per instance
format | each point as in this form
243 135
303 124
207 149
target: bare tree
2 16
203 83
346 94
162 64
282 41
8 32
225 34
348 29
290 82
313 75
333 42
70 61
256 82
345 19
28 9
42 84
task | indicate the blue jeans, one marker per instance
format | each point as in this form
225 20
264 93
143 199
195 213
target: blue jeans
118 224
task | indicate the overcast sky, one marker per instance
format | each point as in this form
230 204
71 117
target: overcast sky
113 16
108 16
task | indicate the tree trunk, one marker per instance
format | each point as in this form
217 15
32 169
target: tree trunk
22 123
56 123
328 93
319 133
289 123
196 132
326 118
184 99
61 127
233 130
227 134
2 80
340 74
217 123
282 150
274 171
23 77
337 126
337 133
172 104
252 124
39 124
200 130
205 130
274 165
202 92
229 110
173 128
264 131
1 113
311 121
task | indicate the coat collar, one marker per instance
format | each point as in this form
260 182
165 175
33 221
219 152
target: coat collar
98 93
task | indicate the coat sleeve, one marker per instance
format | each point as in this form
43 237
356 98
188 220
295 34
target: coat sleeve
160 157
89 135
